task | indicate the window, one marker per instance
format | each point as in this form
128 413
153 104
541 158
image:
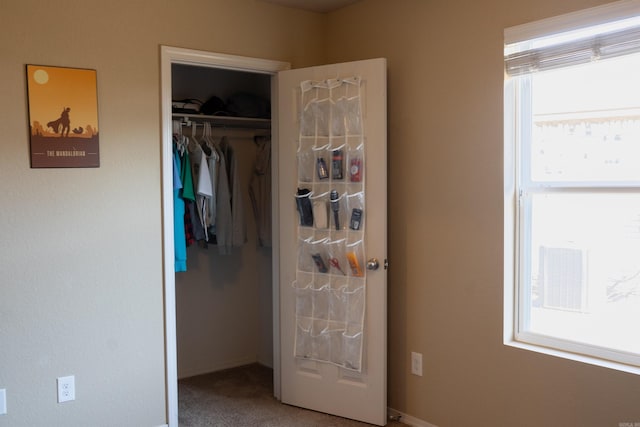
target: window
572 185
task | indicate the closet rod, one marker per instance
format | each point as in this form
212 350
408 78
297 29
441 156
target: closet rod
224 121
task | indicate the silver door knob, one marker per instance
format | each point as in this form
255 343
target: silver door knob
373 264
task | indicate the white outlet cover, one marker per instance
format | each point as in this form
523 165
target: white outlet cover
66 389
3 401
416 363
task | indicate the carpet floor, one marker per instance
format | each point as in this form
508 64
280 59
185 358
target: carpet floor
243 397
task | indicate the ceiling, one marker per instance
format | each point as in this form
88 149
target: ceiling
314 5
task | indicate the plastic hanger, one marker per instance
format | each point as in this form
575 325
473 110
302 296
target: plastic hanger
208 138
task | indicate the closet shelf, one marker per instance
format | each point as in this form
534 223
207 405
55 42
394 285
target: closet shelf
225 121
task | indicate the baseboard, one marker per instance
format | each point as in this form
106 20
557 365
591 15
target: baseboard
221 366
407 419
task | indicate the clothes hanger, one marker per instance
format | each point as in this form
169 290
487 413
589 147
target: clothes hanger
179 139
203 140
208 137
200 142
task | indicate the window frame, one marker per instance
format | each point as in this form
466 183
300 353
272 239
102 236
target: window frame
517 204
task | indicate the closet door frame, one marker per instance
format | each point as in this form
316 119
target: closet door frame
174 55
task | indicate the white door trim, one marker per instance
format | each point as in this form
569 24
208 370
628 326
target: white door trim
174 55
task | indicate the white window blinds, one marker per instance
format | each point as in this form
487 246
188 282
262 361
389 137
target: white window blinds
597 33
579 49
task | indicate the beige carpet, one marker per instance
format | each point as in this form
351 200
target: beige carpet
243 397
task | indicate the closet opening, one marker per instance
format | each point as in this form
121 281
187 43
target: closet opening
219 301
223 296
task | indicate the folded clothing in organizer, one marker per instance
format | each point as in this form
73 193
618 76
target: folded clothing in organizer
187 106
214 106
248 105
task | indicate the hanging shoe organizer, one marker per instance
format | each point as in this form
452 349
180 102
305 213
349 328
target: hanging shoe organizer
330 283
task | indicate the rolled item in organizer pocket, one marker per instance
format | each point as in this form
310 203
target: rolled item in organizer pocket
317 259
354 264
355 169
335 207
356 219
303 204
336 164
321 213
321 166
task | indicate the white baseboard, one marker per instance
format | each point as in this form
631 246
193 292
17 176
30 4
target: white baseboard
408 419
219 366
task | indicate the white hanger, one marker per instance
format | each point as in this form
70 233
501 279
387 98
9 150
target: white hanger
210 142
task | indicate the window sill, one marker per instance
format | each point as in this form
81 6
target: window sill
574 356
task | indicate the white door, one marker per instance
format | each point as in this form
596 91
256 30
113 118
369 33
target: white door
311 382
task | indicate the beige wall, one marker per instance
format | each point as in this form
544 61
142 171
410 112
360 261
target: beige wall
81 249
80 258
445 231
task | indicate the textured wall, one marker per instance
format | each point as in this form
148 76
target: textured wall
445 70
80 252
81 249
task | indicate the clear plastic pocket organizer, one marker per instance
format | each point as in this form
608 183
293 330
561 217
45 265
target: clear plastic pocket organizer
330 284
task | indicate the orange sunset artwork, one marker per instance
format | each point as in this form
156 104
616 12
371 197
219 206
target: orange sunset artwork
63 117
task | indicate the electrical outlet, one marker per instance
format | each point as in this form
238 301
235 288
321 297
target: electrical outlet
416 363
3 401
66 389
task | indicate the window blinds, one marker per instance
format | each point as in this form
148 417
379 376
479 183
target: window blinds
584 50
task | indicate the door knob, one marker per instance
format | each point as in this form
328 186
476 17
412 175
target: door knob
373 264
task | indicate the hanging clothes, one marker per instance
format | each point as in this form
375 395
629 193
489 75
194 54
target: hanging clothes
213 158
198 231
210 205
190 237
203 187
260 190
187 194
212 161
179 239
239 226
224 219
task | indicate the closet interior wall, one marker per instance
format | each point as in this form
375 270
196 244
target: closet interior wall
224 302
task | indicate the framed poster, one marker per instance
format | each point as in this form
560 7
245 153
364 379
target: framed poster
63 117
